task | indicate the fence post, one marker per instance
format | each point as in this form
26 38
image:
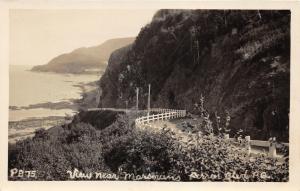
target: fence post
226 136
272 148
248 144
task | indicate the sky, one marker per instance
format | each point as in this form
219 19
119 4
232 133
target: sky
37 36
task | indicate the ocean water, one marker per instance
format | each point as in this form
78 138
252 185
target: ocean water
27 87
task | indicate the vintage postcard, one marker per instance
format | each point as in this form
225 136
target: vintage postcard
151 94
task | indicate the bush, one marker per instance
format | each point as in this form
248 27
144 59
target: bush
123 148
140 152
51 156
209 158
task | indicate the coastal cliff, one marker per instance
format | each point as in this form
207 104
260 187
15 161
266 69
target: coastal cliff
239 61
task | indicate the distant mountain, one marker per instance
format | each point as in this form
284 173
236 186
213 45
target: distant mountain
84 60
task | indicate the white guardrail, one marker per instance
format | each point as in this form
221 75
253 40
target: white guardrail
107 109
272 146
163 114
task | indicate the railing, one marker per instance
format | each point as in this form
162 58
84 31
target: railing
271 145
158 110
106 109
163 114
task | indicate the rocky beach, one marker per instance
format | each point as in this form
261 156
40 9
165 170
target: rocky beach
25 119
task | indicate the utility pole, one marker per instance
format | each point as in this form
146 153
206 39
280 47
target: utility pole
126 106
197 47
98 98
137 99
149 89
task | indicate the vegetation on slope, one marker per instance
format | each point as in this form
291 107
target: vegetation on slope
238 60
120 149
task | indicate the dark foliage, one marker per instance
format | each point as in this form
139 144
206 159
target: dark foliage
98 119
120 147
239 61
75 147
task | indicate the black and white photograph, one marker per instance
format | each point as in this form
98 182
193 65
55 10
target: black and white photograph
161 95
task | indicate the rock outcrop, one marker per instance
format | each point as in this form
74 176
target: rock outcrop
238 60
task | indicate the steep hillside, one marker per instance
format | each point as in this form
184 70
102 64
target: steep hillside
238 60
84 60
110 86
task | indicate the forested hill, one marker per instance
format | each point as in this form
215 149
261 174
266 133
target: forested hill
238 60
84 60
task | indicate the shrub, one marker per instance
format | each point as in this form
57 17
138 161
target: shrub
78 147
122 147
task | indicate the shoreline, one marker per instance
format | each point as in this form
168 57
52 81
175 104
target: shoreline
24 128
98 72
19 130
86 90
